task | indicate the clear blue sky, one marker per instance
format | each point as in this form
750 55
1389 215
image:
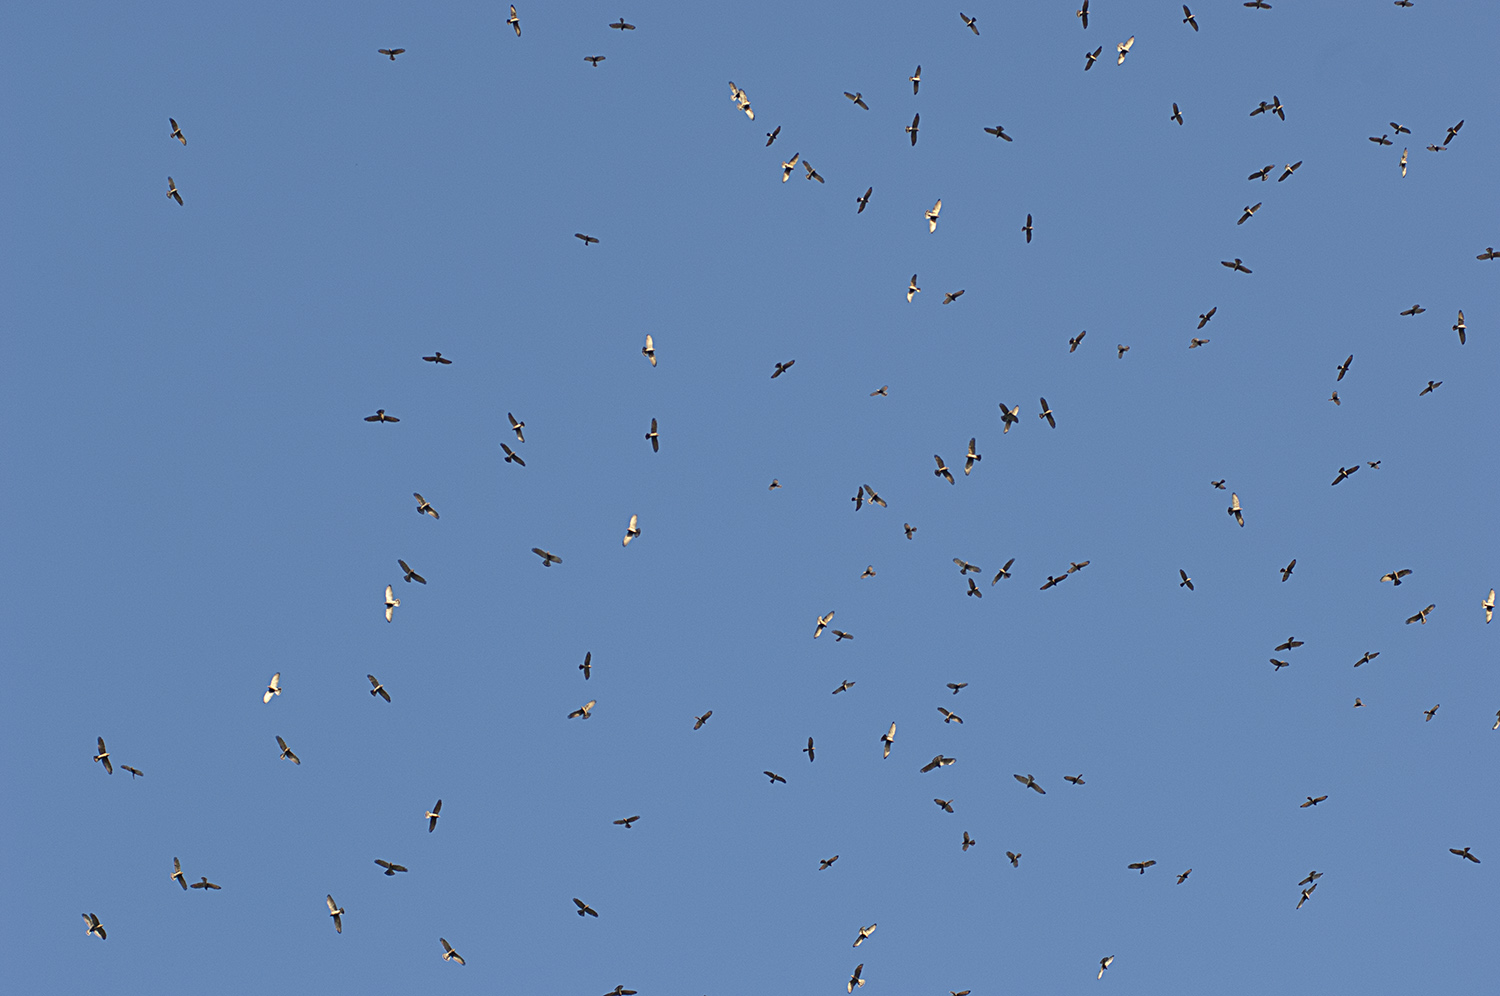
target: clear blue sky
197 502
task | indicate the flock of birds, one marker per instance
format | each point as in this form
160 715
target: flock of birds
865 494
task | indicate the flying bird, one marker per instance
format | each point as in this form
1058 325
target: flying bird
952 296
1074 342
390 603
771 135
1312 802
337 912
937 762
584 711
1083 14
972 23
631 531
1123 48
788 167
1030 783
1004 573
839 635
1235 264
649 350
912 290
1104 964
627 822
1395 577
1334 397
1421 616
448 953
1091 58
511 456
864 201
1195 342
381 416
1074 779
946 805
579 235
1489 606
1260 4
858 98
810 751
1009 416
1307 894
286 752
587 667
1461 328
823 622
584 909
827 863
942 469
1286 571
548 559
1367 658
864 932
1015 859
1463 853
1429 713
971 457
999 132
1415 309
273 688
741 101
950 717
622 26
1027 228
1403 163
958 686
423 508
177 874
1186 581
1183 877
1343 368
594 61
391 52
1432 385
1188 18
875 499
888 738
782 368
1452 134
1046 413
855 980
916 80
1176 114
909 528
698 721
774 777
172 191
94 927
1140 866
1235 510
514 21
103 756
1280 664
1382 140
911 129
177 132
1249 213
1289 170
439 359
932 216
1291 644
812 174
1262 173
205 884
968 841
1219 484
1208 315
654 439
1344 472
433 813
390 867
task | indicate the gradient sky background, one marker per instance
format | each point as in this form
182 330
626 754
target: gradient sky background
199 503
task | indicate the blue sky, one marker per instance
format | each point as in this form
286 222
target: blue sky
200 503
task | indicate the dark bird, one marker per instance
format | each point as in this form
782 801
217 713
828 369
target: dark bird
103 756
999 132
1004 572
381 416
1073 779
1235 510
1432 385
774 777
1261 4
1382 140
698 721
1030 783
376 688
587 667
133 771
653 438
1083 14
1291 644
585 711
1140 866
1104 964
594 61
438 358
910 529
1262 173
1306 894
390 868
448 953
812 174
1312 802
1415 309
627 822
1286 571
1277 107
942 469
1344 472
1176 114
1188 18
1461 328
1452 133
1218 484
177 132
1009 417
972 23
1046 413
1027 229
958 686
858 98
1091 58
911 129
916 80
1334 397
875 499
511 456
1122 350
1367 658
839 635
1464 853
782 368
204 883
1074 568
1280 664
1249 213
968 841
1289 170
964 567
337 912
1015 859
1421 616
392 52
952 296
1429 713
1186 581
1343 368
827 863
884 391
970 458
770 135
286 752
1195 342
1312 876
864 201
584 909
620 990
622 26
1489 253
1183 877
579 235
974 590
937 762
432 816
1053 582
946 805
950 717
1074 342
812 754
1236 264
94 927
548 559
1208 315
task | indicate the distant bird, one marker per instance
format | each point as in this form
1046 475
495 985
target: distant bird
631 531
1218 484
698 721
910 529
864 201
1074 568
649 350
869 572
887 739
823 622
381 416
1415 309
177 874
587 667
376 688
1461 328
1140 866
1312 802
1083 14
1279 664
433 814
1489 606
1289 170
1235 264
1264 172
1452 133
1074 342
741 101
1009 416
932 216
627 822
548 559
858 98
1046 413
1123 48
937 762
204 883
1312 876
423 508
654 439
968 841
337 912
774 777
133 771
1183 877
1429 713
1104 964
1292 643
958 686
1367 658
390 603
782 368
946 805
942 469
286 752
1249 213
875 499
827 863
952 296
950 717
1188 18
1432 385
1053 582
594 61
1307 894
964 567
970 458
514 21
622 26
448 953
1286 571
1344 473
172 191
1334 397
1277 108
839 635
1186 581
273 688
1464 853
770 135
972 23
1437 148
1343 368
177 132
1382 140
1235 510
1030 783
439 359
812 174
1091 58
584 711
1421 616
103 756
810 751
1195 342
1489 253
1074 779
911 129
1358 704
1403 163
1261 4
999 132
1004 572
1027 228
620 990
912 290
789 167
1015 859
390 868
1176 114
855 980
916 80
94 927
391 52
1395 577
864 932
584 909
511 456
884 391
1122 350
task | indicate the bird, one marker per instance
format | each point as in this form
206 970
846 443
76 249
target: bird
654 438
1312 802
172 191
875 499
1461 328
1083 14
1261 4
390 867
94 927
1188 18
1122 350
1334 397
972 23
964 567
1306 894
942 469
823 622
381 416
1403 162
273 689
864 201
631 531
1091 58
1415 309
1382 140
204 883
950 717
770 135
1289 170
946 805
1394 577
1074 568
511 456
1279 664
999 132
514 21
390 603
855 980
1176 114
1074 342
774 777
337 912
1452 134
649 350
827 863
1429 713
887 739
1186 581
177 874
858 98
1262 173
958 686
932 216
1249 212
969 458
911 129
286 752
584 711
1489 253
909 528
1046 413
1140 866
782 368
883 391
1004 572
789 166
1235 510
439 359
952 296
916 81
548 559
1277 107
622 26
810 751
579 235
864 932
1053 582
698 721
448 953
1358 704
1104 964
741 101
937 762
869 572
1432 385
423 507
620 990
1235 264
858 499
1286 571
1009 417
1463 853
1074 779
1343 368
433 814
1195 342
1030 783
1015 859
391 52
103 756
812 174
627 822
839 635
1489 606
968 841
177 132
1183 877
1219 484
584 909
1027 228
594 61
1344 472
1437 148
1421 616
1123 48
1312 876
1367 658
1291 644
